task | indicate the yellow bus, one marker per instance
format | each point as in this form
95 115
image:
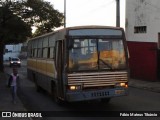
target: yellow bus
80 63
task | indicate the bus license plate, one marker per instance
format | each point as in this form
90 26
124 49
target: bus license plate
119 91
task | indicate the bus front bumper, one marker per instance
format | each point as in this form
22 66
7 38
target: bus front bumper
72 96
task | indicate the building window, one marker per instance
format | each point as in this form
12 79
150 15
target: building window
140 29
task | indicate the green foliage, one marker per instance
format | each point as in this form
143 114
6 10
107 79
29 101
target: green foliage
12 28
16 30
16 19
42 15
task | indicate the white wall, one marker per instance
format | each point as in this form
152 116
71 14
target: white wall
16 49
143 13
7 55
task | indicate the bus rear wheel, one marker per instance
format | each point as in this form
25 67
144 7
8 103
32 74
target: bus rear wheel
38 88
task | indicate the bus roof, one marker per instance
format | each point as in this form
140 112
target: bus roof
77 27
94 26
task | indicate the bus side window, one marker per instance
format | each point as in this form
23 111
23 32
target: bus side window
51 52
56 54
48 53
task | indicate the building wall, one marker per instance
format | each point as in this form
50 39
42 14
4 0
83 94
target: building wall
143 60
12 51
143 46
142 14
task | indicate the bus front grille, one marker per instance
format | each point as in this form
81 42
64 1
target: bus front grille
97 79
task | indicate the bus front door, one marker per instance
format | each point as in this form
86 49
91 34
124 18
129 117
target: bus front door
59 67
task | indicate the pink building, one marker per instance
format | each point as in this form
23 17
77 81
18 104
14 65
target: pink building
143 36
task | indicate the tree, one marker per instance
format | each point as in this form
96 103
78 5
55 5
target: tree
16 19
41 14
12 28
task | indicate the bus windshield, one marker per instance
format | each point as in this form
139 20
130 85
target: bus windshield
96 54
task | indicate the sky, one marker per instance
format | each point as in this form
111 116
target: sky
90 12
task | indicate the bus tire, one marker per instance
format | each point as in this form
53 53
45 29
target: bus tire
105 100
38 88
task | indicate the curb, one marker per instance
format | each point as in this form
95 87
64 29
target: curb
145 85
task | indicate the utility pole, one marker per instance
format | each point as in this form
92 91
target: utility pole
117 13
64 13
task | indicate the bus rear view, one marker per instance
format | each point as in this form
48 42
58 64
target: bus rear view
97 65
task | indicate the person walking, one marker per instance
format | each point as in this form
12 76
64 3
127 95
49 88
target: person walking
13 82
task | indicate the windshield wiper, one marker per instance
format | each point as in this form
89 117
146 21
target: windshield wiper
102 61
105 63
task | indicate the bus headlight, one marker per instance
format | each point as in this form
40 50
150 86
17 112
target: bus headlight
74 87
122 85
